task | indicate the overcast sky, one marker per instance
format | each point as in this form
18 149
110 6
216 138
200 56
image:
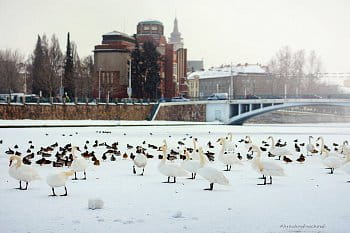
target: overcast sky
217 31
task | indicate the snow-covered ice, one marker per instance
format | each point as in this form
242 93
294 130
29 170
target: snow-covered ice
306 200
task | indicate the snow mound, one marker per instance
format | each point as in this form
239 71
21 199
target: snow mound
96 203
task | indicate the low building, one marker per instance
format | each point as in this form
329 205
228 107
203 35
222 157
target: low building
195 65
238 81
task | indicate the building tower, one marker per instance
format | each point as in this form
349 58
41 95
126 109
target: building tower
175 37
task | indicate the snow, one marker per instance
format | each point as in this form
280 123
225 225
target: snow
307 199
227 71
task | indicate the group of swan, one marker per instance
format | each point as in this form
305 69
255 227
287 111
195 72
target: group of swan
171 169
25 173
227 153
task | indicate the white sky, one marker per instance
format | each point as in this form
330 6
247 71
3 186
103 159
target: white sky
220 31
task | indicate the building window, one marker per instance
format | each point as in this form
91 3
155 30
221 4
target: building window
146 28
154 28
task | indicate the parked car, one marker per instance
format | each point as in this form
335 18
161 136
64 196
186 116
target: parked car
179 99
218 96
253 97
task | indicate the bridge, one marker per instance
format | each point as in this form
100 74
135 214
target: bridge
236 112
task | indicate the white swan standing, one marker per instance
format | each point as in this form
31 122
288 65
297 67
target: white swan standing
266 168
170 169
22 172
191 165
227 154
140 161
210 174
195 153
59 180
277 151
346 166
79 164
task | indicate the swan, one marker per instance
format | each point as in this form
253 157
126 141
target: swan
191 165
345 149
195 154
277 151
210 174
332 160
140 161
310 148
227 154
346 166
78 164
59 180
248 142
170 169
266 168
22 172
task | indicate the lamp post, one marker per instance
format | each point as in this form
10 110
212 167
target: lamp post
99 84
129 90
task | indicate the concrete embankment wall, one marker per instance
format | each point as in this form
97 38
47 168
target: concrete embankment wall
74 112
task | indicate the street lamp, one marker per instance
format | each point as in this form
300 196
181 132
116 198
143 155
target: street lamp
99 84
129 90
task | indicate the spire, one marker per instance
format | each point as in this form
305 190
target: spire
175 36
176 29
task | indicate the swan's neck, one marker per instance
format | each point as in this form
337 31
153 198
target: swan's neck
223 141
194 144
322 142
18 162
201 159
272 142
230 137
309 140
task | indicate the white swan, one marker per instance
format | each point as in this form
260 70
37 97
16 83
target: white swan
332 160
248 142
209 173
266 168
195 153
140 161
310 148
79 164
346 166
59 180
227 154
277 151
170 169
191 165
22 172
345 149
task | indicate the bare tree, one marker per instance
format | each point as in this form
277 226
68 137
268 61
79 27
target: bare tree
56 62
10 65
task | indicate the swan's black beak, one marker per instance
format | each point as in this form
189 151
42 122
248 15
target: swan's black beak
10 163
250 149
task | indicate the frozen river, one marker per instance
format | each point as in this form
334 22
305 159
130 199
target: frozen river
307 199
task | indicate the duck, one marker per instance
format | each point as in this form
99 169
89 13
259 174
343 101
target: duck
78 164
140 161
301 159
227 154
210 174
310 147
191 165
266 168
59 180
170 169
22 172
277 151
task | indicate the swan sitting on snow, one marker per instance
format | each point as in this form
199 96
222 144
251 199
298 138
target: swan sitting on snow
59 180
78 164
227 154
332 160
170 169
209 173
191 165
311 147
266 168
22 172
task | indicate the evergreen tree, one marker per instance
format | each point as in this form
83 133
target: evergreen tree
152 75
137 81
37 67
145 71
68 81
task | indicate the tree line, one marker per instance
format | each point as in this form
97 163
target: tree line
298 73
47 72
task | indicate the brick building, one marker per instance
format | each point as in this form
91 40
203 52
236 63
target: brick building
111 77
